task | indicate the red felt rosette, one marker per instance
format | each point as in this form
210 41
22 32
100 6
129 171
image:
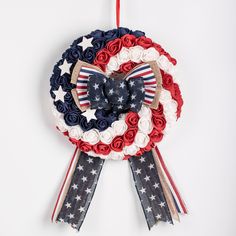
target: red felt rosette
101 148
117 144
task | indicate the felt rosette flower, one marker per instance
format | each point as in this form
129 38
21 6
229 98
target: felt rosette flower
115 96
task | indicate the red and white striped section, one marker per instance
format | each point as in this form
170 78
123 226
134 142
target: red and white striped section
146 73
65 186
176 195
82 85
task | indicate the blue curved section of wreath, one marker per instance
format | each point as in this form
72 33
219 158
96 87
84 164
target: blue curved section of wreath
72 114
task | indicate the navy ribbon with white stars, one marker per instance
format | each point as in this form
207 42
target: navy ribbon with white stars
84 181
149 189
81 190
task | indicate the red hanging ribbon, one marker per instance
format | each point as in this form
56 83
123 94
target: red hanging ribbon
118 13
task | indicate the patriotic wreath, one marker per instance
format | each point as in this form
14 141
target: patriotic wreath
114 93
115 96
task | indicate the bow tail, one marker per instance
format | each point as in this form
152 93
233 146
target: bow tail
168 181
150 189
77 189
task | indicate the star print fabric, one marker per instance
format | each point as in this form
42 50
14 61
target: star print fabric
115 94
81 190
149 189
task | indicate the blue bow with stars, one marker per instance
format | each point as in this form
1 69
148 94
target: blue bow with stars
119 92
115 94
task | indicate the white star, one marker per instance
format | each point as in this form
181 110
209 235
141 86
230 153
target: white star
149 209
88 190
71 216
142 89
80 167
120 99
153 197
133 97
122 85
156 185
131 83
93 172
59 94
89 114
68 205
151 166
61 220
81 209
162 204
120 107
147 178
158 216
142 190
78 198
90 160
138 171
97 98
111 91
132 105
86 43
104 80
74 225
96 86
75 186
65 67
84 179
142 159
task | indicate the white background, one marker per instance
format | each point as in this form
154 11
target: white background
200 150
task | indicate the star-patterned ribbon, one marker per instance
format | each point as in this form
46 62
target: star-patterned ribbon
80 192
158 199
149 189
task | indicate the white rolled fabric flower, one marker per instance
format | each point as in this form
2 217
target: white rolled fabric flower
150 54
116 155
170 118
145 125
107 135
123 56
136 53
61 125
131 150
141 139
171 107
145 112
75 132
171 70
91 136
165 96
119 127
164 63
113 64
56 113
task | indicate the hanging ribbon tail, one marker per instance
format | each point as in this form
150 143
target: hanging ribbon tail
168 180
150 189
77 189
